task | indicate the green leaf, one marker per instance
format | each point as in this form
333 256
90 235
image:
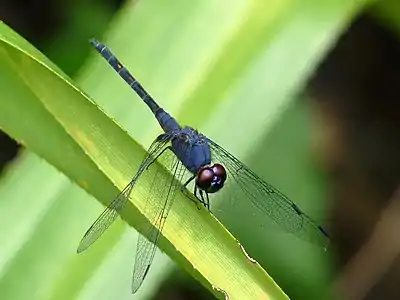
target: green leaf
210 64
87 146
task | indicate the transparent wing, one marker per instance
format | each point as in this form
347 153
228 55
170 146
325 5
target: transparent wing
161 196
246 189
115 207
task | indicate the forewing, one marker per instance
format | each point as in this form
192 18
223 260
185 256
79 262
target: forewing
111 212
161 196
244 187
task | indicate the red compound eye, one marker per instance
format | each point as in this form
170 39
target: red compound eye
211 179
219 171
204 178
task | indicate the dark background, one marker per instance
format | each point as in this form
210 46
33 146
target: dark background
354 93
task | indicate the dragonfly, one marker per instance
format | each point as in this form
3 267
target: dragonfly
200 165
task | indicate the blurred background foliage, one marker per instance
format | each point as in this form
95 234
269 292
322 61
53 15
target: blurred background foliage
334 149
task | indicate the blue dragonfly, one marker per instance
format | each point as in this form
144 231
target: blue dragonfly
206 168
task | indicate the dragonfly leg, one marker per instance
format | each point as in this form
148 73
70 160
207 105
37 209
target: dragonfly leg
200 199
188 195
206 202
158 155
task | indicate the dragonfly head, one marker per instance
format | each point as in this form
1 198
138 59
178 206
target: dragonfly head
211 178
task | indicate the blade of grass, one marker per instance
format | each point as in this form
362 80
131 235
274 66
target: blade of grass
92 150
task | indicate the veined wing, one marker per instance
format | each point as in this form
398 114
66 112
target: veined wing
115 207
248 188
161 196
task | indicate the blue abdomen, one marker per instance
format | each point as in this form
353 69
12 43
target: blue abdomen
165 120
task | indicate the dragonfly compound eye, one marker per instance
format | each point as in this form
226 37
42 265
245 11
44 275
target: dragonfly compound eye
219 171
211 179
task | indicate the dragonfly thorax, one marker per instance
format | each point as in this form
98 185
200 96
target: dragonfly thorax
211 178
192 149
